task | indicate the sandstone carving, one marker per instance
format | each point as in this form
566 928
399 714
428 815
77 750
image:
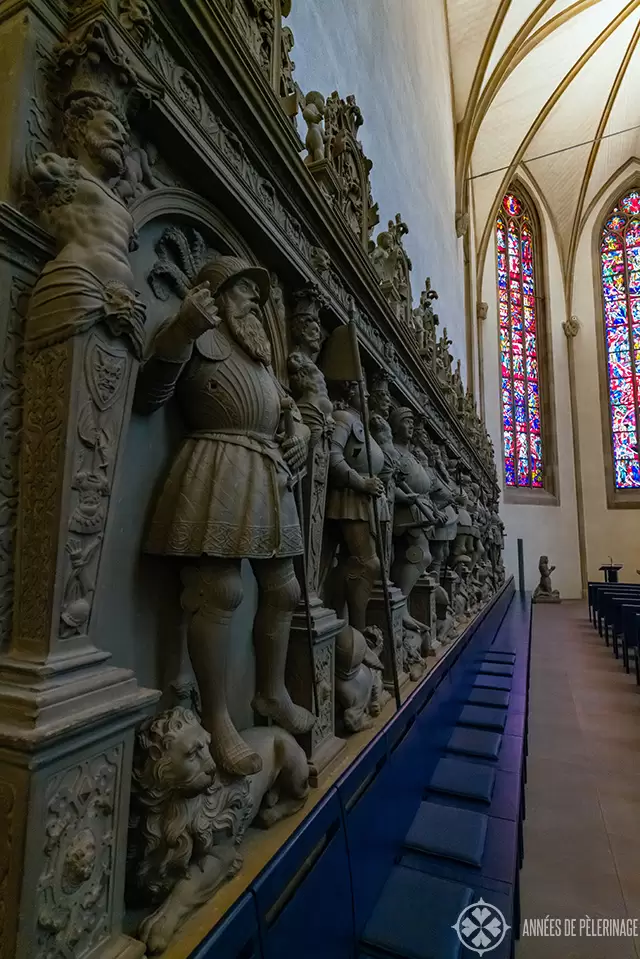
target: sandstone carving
265 451
189 818
359 685
216 356
352 497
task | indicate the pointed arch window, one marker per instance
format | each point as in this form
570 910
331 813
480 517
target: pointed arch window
517 258
620 272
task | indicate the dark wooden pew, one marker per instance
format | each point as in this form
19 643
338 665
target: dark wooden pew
598 601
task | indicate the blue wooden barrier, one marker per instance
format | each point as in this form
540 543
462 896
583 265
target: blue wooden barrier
318 897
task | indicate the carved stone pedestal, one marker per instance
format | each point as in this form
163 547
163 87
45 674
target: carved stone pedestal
321 744
323 172
422 605
64 802
376 616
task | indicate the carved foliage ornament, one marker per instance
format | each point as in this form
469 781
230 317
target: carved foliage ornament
342 120
7 805
107 369
93 63
11 376
74 888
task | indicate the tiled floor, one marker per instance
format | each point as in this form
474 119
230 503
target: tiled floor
582 831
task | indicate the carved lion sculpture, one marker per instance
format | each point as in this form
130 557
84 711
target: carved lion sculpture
189 818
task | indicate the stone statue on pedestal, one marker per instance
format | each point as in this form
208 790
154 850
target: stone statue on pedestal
353 495
415 514
544 592
379 411
228 495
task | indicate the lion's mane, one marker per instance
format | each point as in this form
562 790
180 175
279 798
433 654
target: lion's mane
171 829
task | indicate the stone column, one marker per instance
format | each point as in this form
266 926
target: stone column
571 328
67 714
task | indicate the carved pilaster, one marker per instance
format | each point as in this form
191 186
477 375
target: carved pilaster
67 715
376 616
422 603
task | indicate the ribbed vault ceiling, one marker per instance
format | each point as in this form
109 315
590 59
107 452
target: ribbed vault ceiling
531 79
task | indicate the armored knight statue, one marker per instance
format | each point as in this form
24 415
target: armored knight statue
353 495
307 382
379 410
414 514
228 494
443 534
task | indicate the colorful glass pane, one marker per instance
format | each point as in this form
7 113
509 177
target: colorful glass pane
630 203
521 418
620 270
512 205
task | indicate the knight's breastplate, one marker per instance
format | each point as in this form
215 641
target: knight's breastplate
355 452
235 394
416 478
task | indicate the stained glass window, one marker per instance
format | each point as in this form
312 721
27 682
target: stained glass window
620 261
521 426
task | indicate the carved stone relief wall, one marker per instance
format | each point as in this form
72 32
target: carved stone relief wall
191 479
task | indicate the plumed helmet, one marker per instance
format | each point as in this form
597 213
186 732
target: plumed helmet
223 270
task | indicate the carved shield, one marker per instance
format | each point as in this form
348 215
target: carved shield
105 368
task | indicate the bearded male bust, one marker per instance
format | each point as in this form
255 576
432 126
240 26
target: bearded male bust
228 495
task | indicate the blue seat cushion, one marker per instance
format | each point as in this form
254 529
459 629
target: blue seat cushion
475 742
482 717
455 777
448 832
492 682
500 657
415 915
489 697
496 669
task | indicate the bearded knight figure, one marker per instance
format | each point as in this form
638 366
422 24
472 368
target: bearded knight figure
228 495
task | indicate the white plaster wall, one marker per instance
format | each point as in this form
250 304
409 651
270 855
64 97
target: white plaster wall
393 55
608 532
551 530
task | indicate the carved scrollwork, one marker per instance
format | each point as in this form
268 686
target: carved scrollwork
74 887
342 119
323 658
43 437
11 386
107 368
7 805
